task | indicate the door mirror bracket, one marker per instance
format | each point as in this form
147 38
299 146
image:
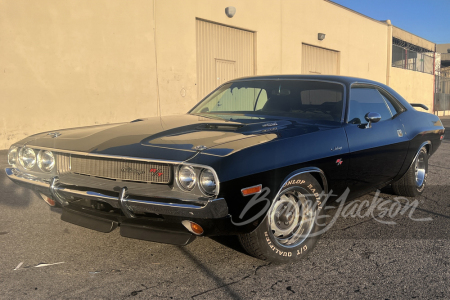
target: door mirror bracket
372 117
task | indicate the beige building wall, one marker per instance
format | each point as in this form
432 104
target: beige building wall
74 63
77 63
415 87
442 48
413 39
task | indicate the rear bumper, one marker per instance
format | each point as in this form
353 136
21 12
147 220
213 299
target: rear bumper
210 209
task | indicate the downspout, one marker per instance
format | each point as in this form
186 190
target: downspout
281 37
434 77
158 101
389 51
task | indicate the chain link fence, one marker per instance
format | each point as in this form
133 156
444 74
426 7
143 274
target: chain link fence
411 60
441 102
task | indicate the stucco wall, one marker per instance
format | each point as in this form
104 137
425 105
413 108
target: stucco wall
77 63
74 63
415 87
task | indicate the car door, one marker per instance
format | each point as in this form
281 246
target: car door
377 152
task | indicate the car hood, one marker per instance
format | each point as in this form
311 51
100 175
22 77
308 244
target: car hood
170 137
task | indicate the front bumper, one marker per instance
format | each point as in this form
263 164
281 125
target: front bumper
64 194
212 214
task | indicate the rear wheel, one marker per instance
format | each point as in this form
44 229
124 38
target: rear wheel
413 182
289 230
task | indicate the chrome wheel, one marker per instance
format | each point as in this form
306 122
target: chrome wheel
420 169
291 217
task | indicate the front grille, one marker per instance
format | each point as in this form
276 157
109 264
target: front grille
63 163
120 169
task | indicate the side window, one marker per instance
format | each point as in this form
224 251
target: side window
364 100
392 108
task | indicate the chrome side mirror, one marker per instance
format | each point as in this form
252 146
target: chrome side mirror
372 117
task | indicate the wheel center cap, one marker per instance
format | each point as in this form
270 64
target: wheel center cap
287 217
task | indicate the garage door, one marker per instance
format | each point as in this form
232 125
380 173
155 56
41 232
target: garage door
223 53
316 60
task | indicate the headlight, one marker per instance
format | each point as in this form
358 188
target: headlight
27 158
187 177
12 155
208 182
46 160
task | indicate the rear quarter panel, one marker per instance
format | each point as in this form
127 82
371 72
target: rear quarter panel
419 128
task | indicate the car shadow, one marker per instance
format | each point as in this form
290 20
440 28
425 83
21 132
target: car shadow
230 241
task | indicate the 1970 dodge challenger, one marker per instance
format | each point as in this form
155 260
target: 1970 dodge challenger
256 158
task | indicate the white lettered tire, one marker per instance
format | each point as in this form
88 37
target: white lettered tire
291 227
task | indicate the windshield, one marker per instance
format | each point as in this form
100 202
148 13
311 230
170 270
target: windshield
301 99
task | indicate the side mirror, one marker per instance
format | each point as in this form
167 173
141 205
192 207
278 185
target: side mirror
372 117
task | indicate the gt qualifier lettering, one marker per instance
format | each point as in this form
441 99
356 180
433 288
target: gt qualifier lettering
275 249
301 250
283 253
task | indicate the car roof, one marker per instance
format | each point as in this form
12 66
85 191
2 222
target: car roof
341 79
345 80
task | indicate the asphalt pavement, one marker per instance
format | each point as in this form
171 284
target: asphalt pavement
371 254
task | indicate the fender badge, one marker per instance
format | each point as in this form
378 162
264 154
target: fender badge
54 134
339 161
399 132
200 147
270 124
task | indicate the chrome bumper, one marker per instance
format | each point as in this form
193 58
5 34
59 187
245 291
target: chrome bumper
212 209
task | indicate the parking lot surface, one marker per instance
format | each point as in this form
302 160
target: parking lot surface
42 257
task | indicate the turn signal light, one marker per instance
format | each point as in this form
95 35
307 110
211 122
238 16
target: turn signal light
48 200
251 190
193 227
442 137
196 228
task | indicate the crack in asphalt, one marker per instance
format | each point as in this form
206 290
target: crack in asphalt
135 293
231 283
439 166
225 285
277 282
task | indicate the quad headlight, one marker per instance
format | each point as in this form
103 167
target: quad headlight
46 160
13 154
197 178
208 182
27 158
187 177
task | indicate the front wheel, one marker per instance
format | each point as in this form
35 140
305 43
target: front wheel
290 229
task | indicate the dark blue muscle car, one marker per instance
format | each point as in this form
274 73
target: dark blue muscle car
256 158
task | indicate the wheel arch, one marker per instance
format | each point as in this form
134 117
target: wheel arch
317 173
428 146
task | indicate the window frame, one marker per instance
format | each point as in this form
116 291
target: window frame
397 105
344 91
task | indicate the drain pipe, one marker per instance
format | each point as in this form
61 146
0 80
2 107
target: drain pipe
389 51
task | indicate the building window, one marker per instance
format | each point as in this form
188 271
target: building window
411 57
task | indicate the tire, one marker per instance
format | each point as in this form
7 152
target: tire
289 232
412 183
